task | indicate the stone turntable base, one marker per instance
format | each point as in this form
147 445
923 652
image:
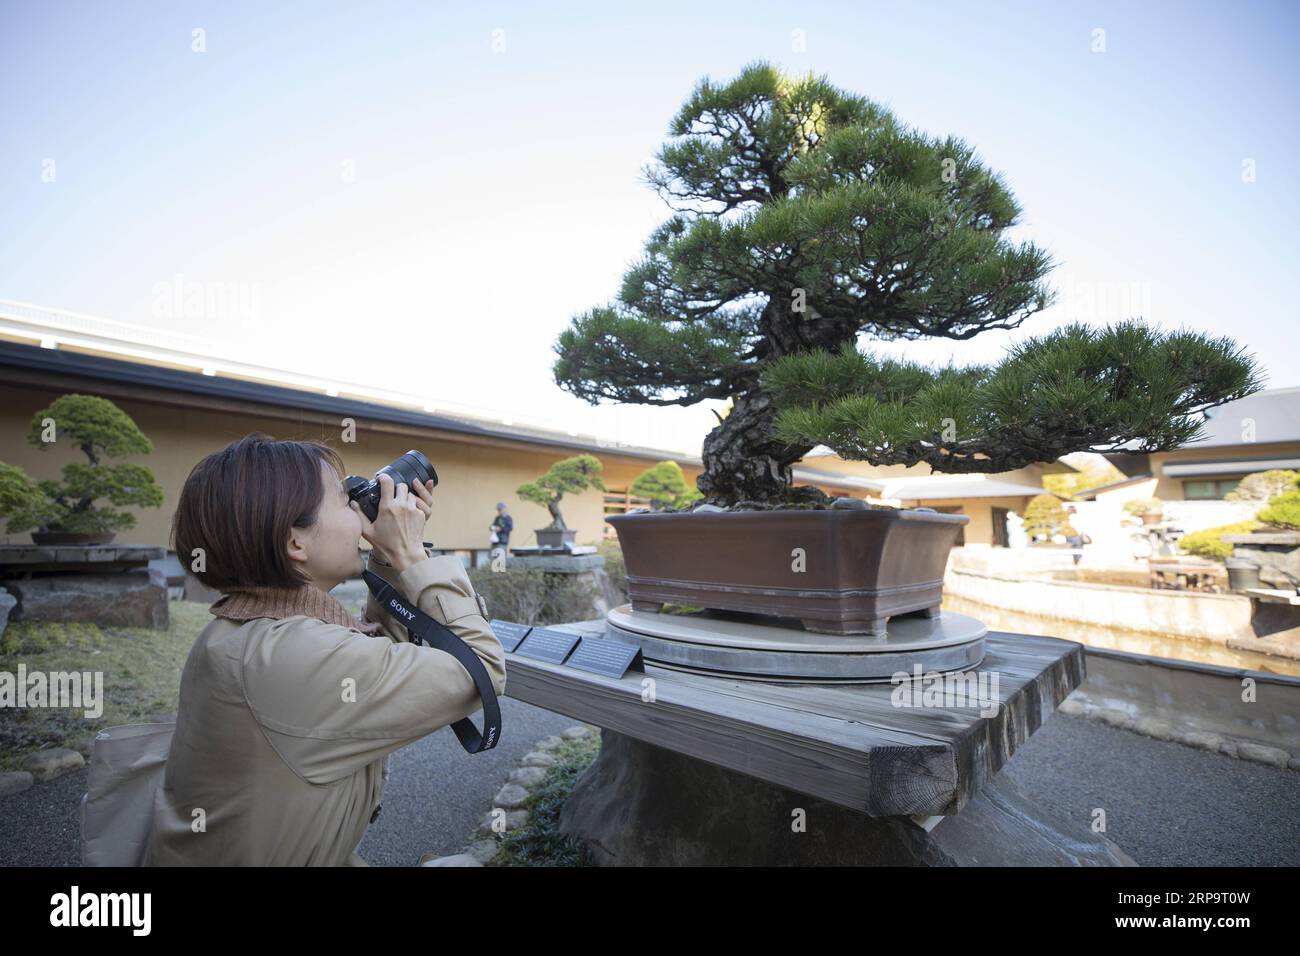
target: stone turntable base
745 647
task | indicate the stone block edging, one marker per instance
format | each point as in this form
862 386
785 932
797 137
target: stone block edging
1160 729
529 772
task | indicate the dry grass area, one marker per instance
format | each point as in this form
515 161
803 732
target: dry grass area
141 671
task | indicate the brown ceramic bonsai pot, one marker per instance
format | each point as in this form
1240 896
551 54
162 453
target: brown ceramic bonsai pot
859 568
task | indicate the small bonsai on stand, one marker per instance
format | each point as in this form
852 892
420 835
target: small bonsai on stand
1150 511
568 476
65 512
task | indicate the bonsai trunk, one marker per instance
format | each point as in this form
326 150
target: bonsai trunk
742 462
557 519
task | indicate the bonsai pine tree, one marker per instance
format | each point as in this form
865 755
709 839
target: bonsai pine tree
1044 516
100 430
1283 509
568 476
665 485
1076 389
805 216
21 500
1263 485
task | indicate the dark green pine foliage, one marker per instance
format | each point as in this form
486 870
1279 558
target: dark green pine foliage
1075 389
805 216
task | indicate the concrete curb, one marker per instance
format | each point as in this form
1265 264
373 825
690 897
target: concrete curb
1160 729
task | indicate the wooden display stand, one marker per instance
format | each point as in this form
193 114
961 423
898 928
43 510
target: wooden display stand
708 769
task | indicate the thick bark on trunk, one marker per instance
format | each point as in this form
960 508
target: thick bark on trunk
742 462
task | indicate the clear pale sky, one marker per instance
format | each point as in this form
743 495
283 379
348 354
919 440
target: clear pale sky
420 196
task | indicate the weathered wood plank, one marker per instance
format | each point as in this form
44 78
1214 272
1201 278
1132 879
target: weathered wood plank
848 744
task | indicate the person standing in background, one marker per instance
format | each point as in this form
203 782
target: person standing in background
502 525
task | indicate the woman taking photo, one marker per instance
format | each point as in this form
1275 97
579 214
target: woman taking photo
289 706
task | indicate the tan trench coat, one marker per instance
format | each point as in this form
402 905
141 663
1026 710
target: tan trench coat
271 763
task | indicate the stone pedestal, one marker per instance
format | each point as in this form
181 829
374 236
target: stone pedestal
110 585
643 805
1276 552
587 568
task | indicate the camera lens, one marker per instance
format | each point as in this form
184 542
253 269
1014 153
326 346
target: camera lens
409 469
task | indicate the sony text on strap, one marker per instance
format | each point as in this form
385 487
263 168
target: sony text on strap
425 630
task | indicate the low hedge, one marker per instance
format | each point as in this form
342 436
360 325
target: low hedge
1209 543
533 597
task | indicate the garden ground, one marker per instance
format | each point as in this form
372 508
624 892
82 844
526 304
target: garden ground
1165 804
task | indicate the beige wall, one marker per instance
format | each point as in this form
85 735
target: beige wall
1138 491
472 477
1171 489
980 512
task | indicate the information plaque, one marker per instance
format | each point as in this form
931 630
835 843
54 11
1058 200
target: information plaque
544 644
603 656
509 633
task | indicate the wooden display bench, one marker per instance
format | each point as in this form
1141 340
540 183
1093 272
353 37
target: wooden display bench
698 769
1183 575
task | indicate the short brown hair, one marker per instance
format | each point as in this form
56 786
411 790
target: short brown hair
238 505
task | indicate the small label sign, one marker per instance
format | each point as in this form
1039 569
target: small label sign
544 644
602 656
509 633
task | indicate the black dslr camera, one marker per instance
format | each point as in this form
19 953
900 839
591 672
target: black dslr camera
408 469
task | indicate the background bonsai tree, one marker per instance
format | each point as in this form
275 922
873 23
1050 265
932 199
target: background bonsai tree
21 500
1283 509
101 430
665 485
1262 485
1209 543
570 475
1044 517
805 216
1143 506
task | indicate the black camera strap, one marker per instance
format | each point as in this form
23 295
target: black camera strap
425 630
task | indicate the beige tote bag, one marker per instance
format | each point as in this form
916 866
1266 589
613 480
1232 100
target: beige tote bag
126 770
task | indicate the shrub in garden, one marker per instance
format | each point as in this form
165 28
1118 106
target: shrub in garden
1283 510
1209 543
1263 485
615 566
534 597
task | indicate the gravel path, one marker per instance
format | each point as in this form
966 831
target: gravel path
1165 804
